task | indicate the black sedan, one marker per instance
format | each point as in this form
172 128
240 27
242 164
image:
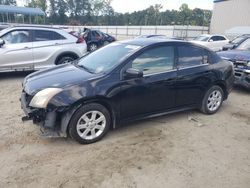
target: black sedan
125 81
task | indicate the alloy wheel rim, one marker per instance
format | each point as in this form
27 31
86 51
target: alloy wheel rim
214 100
67 61
91 125
93 47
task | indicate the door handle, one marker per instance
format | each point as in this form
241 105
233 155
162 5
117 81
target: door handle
26 47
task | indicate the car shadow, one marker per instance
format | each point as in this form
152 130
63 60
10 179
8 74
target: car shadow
241 89
14 75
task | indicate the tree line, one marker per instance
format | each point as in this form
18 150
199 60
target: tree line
100 12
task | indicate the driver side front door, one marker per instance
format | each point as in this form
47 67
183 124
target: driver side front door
154 91
17 52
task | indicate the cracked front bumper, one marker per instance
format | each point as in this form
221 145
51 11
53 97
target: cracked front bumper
47 120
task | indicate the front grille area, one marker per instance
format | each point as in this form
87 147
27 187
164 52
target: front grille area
240 64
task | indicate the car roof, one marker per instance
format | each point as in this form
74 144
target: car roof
149 41
211 35
33 27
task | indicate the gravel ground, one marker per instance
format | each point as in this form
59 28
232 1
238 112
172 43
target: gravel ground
186 149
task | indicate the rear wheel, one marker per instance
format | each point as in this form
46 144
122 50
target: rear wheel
90 123
65 59
212 100
93 47
105 43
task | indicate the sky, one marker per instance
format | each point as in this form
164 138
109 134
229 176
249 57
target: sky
123 6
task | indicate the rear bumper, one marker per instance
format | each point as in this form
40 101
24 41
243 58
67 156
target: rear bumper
242 78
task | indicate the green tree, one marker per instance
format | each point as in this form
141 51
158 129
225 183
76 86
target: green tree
7 2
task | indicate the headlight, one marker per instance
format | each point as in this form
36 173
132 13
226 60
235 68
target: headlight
41 99
248 64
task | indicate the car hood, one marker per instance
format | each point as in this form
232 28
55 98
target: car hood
59 76
241 55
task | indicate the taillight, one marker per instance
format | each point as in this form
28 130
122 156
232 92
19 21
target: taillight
80 40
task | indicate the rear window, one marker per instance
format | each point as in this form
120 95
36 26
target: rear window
43 35
189 56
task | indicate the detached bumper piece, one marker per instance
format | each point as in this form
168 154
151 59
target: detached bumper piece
242 77
46 120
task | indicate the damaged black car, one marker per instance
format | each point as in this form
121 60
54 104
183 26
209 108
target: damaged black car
125 81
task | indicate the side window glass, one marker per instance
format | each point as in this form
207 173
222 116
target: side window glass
57 36
218 38
155 60
17 36
42 35
191 56
214 38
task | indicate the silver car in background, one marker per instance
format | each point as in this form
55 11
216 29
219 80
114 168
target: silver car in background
34 48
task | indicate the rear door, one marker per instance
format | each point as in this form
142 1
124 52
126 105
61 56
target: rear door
193 74
46 44
17 52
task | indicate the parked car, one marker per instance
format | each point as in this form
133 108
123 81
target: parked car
125 81
33 48
108 39
241 60
214 42
96 39
236 42
159 37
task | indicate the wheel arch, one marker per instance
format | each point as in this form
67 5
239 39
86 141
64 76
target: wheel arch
68 53
222 85
66 117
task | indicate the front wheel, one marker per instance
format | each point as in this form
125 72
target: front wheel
90 123
212 100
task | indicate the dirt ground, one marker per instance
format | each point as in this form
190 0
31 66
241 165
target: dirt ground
188 150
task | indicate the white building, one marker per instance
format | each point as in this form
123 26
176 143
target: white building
228 14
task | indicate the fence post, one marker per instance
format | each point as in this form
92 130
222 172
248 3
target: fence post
116 35
187 32
127 31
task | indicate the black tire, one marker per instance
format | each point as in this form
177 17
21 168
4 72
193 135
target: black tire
92 47
65 59
73 132
105 43
204 106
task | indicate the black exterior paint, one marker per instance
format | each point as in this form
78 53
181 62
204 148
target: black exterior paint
126 99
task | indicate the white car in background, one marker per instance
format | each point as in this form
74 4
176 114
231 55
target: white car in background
214 42
34 48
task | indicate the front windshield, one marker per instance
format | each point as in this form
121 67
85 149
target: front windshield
201 38
107 57
237 40
245 45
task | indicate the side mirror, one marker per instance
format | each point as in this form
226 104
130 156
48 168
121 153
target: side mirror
2 42
210 40
133 73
